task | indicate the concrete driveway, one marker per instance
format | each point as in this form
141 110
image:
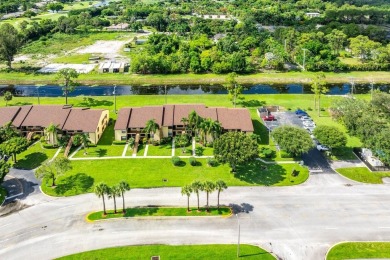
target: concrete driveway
300 222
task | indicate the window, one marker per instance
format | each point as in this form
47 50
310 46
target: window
123 138
124 131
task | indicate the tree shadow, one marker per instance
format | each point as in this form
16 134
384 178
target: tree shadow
31 161
181 164
78 183
21 104
91 102
252 103
140 211
243 207
101 152
261 130
259 173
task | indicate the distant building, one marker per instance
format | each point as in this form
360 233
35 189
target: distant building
312 15
113 67
118 27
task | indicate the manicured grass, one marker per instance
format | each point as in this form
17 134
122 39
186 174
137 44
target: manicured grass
160 211
359 250
160 150
187 150
79 5
141 150
145 173
54 46
33 157
362 174
3 193
75 58
201 150
184 252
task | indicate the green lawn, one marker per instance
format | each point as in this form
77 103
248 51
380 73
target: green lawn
146 173
3 193
160 211
160 150
140 151
34 156
201 150
187 150
185 252
359 250
362 174
104 147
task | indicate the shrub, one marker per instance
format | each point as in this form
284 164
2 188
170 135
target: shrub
268 153
155 142
119 142
131 142
284 154
48 146
166 140
193 161
197 139
37 137
211 162
43 139
176 160
209 144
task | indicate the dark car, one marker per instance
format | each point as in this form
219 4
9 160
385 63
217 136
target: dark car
300 112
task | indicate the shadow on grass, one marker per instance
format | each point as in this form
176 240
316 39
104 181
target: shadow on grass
21 104
252 103
91 102
181 164
133 212
261 130
259 173
78 183
31 161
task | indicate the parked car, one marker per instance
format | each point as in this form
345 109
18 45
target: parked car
309 128
300 112
269 118
322 148
305 118
309 123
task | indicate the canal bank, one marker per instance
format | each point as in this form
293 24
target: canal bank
18 78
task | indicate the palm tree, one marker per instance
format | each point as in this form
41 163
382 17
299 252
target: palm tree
220 185
52 131
216 129
208 187
187 190
184 120
114 192
194 121
197 186
85 141
206 127
151 127
100 190
123 186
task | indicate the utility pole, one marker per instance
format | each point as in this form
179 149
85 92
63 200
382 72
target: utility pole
372 88
165 88
304 58
235 95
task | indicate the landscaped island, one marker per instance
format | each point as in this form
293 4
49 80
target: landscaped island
359 250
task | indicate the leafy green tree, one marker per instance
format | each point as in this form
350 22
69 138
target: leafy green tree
55 7
123 186
382 145
10 43
187 190
14 146
235 148
114 192
363 47
7 97
151 127
197 187
381 103
182 141
4 170
293 140
67 76
208 187
319 88
7 132
233 88
100 190
53 169
220 186
330 136
336 40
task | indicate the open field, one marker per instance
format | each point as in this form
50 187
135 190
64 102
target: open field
215 252
359 250
74 58
33 157
57 46
158 212
146 173
362 174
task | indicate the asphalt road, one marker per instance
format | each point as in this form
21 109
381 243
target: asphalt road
300 222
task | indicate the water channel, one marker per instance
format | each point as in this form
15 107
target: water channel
56 91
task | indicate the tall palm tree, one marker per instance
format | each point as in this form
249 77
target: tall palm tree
216 129
123 186
205 128
85 141
114 192
187 190
197 187
184 120
194 121
52 131
151 127
208 187
220 185
100 190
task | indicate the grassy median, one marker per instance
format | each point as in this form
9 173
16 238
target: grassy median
359 250
215 252
362 174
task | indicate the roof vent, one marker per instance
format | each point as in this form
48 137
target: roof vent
67 106
85 108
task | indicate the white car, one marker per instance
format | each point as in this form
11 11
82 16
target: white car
305 118
322 148
308 123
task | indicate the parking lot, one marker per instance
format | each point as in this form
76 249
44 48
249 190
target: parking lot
283 118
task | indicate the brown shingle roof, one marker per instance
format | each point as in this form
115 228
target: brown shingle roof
7 114
86 120
140 115
235 119
181 111
123 119
43 116
24 110
168 115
